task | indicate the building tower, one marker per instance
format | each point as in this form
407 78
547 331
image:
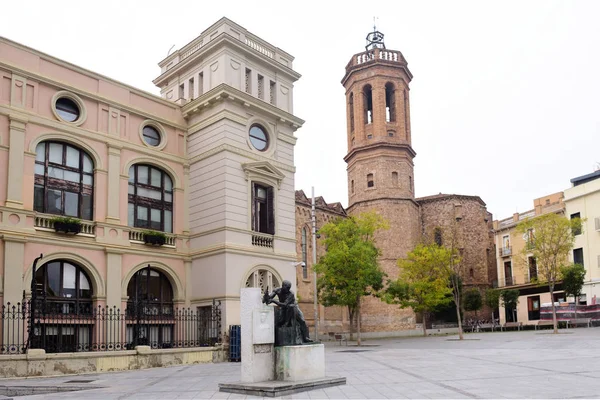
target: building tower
380 161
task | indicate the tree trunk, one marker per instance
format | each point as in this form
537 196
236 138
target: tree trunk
351 313
424 323
553 309
358 324
460 331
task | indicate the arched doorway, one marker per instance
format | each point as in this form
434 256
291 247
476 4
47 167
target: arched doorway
263 279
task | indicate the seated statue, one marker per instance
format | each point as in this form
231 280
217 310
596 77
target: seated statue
290 312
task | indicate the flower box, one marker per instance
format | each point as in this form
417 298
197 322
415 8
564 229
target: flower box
67 225
154 238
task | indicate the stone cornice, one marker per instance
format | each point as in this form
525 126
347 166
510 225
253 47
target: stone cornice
360 202
386 145
224 92
242 250
232 229
241 152
223 114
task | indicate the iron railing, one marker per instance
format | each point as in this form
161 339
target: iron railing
59 327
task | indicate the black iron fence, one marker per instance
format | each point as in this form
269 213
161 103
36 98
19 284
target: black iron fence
64 327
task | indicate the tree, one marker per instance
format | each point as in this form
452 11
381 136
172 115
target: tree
573 277
423 281
550 238
492 300
472 300
509 299
350 269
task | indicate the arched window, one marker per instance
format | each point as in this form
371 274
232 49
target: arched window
64 287
352 186
370 181
151 291
64 180
150 198
304 257
437 236
263 279
471 273
390 102
351 111
368 104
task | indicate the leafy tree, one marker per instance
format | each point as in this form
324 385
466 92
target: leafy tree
509 298
472 300
550 239
350 269
573 277
492 300
423 281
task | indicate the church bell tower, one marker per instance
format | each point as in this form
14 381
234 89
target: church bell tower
380 163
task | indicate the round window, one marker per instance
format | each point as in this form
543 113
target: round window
151 135
259 138
67 109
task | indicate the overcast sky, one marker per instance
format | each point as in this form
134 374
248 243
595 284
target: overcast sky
505 99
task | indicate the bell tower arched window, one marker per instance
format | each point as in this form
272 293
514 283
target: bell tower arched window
370 181
390 102
64 180
351 110
368 104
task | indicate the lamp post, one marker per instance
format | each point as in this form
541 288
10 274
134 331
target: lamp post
33 301
314 261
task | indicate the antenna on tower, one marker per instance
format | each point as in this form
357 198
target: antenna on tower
375 38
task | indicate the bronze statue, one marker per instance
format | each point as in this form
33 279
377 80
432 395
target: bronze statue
289 313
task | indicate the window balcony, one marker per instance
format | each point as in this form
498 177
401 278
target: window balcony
136 235
506 281
262 240
505 251
45 222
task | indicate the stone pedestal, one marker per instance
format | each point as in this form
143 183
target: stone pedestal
257 337
299 363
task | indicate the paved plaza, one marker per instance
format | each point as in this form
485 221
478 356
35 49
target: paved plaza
486 365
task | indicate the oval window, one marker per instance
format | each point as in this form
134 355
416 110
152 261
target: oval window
67 109
151 135
259 138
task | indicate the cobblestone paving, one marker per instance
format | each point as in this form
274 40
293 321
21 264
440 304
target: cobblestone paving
486 365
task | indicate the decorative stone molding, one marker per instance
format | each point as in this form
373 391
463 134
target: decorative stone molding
264 171
71 96
159 128
72 139
172 276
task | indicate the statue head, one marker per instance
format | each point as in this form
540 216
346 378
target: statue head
286 285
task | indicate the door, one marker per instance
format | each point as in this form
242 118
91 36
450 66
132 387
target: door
508 280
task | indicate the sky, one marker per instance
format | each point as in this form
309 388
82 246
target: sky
505 98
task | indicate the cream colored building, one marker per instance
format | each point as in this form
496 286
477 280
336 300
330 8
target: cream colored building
582 200
210 163
517 268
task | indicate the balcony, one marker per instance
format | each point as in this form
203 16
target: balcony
262 240
530 245
136 235
517 280
505 251
44 222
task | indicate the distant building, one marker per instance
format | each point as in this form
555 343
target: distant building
582 200
517 269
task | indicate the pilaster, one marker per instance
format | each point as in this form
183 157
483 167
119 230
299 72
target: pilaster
14 261
186 200
188 281
114 266
113 184
16 161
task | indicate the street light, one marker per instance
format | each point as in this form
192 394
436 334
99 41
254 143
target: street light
314 261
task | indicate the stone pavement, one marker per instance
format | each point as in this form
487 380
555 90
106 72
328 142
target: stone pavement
530 364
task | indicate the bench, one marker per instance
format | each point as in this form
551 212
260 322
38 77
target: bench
341 337
541 323
517 325
489 326
580 321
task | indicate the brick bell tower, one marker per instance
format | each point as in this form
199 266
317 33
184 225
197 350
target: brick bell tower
380 162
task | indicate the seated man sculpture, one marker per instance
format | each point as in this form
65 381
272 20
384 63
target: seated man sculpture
290 313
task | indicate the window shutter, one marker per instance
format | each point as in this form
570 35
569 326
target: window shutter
253 206
270 211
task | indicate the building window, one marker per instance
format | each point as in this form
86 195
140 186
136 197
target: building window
272 92
394 178
369 136
150 198
410 183
263 279
351 111
576 231
391 133
304 255
370 182
437 236
390 102
368 104
248 78
67 109
191 86
259 137
508 278
352 186
181 91
263 218
151 291
65 287
64 180
578 256
261 87
533 272
201 84
151 136
471 273
406 129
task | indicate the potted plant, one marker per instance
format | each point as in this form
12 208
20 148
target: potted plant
154 238
67 225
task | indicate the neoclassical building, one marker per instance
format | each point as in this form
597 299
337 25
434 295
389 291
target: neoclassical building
209 164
